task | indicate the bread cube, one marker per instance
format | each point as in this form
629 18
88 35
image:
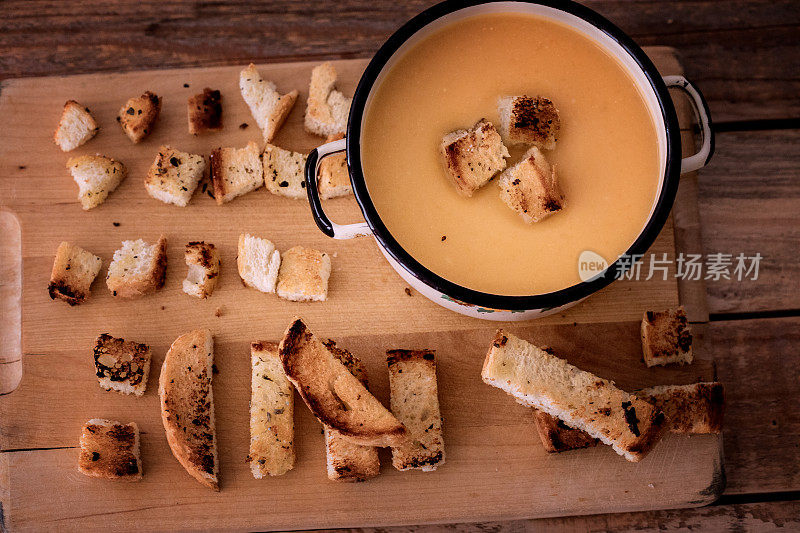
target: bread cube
334 178
258 262
204 111
138 116
121 365
268 106
328 109
530 187
110 450
138 268
529 120
304 275
203 262
97 176
74 270
174 176
284 172
666 337
236 171
76 127
473 157
557 436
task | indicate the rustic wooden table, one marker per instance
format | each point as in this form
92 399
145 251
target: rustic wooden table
744 55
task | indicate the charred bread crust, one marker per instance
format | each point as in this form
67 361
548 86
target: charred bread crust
122 361
110 450
534 120
655 424
62 290
216 172
160 270
205 111
557 436
395 356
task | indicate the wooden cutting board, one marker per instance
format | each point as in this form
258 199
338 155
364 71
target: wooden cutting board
496 467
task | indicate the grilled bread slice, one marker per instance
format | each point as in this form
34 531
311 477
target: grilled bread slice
530 187
121 365
666 337
473 157
557 436
97 176
271 413
304 275
204 111
284 172
696 408
334 178
415 402
539 379
174 175
327 109
236 171
531 120
138 268
110 450
74 270
187 405
258 262
268 106
333 394
203 261
76 127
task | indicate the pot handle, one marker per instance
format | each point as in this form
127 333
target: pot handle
331 229
703 156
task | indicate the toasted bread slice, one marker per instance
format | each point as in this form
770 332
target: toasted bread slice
138 268
539 379
284 172
334 177
110 450
529 120
666 337
121 365
174 175
203 261
187 405
74 270
138 116
473 157
415 402
271 413
696 408
304 275
557 436
333 394
268 106
327 109
204 111
97 176
76 127
258 262
347 461
236 171
530 187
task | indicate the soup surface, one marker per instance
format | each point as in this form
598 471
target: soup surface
606 157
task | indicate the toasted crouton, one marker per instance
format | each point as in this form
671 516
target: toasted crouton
334 178
335 396
204 111
76 127
346 460
258 262
137 268
327 109
415 402
174 175
530 187
666 337
138 116
529 120
696 408
121 365
557 436
97 176
110 450
236 171
187 405
537 378
271 413
203 262
267 105
284 172
74 270
472 157
304 275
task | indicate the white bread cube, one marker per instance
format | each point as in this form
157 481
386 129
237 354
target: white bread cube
76 127
472 157
138 116
137 268
110 450
304 275
121 365
334 177
267 105
258 262
666 337
74 270
328 109
236 171
203 261
204 111
529 120
174 175
530 187
97 176
284 172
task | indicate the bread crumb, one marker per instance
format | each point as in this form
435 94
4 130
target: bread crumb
218 312
243 126
408 291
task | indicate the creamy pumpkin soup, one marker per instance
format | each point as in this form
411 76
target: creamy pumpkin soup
606 155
